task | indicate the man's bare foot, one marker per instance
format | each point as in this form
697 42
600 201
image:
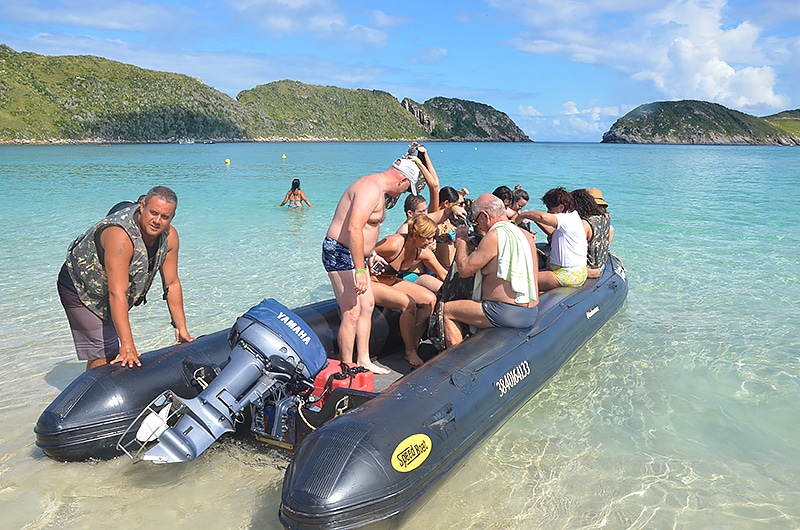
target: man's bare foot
414 359
374 368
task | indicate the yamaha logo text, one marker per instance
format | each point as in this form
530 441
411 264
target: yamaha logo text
295 327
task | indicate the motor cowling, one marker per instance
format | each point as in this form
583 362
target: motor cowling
273 352
287 344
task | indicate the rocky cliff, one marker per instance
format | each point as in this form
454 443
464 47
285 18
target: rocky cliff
700 122
458 119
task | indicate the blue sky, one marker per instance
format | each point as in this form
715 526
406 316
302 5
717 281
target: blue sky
563 70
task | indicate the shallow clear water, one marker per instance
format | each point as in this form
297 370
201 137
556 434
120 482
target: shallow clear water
681 412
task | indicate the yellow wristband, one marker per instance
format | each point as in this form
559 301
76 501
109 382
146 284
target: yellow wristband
361 271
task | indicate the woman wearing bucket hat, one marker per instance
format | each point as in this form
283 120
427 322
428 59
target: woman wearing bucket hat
598 231
598 198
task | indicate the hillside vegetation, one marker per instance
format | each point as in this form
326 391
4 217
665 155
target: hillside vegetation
88 98
701 122
788 120
301 111
91 99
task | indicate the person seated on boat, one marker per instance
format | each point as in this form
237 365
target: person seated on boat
295 196
449 214
505 194
519 199
413 205
567 233
598 233
598 198
506 275
393 279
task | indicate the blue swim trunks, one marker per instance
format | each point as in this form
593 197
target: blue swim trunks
337 257
504 315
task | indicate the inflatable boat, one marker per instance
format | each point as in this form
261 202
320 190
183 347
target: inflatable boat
366 450
89 418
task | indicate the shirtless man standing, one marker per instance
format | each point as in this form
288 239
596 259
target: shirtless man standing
350 241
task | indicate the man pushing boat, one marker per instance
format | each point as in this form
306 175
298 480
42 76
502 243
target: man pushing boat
110 268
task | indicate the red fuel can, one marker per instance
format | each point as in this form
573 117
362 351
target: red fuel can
338 374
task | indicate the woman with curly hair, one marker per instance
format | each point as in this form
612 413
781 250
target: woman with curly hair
598 234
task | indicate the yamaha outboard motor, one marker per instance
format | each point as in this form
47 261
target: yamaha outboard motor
274 356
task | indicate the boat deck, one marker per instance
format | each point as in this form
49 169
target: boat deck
396 362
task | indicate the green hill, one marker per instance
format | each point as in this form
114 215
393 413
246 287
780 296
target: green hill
701 122
788 120
91 99
300 111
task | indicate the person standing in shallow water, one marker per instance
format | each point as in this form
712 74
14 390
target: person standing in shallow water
295 196
110 268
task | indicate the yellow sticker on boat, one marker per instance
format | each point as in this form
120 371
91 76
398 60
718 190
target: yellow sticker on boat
411 453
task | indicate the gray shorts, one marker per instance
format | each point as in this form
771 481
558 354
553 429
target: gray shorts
94 337
505 315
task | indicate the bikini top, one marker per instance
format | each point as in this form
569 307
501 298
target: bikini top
445 233
389 270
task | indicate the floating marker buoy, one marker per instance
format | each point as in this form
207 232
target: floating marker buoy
476 148
283 156
227 160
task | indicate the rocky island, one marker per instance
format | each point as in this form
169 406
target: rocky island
701 122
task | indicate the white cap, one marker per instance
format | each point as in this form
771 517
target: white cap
408 168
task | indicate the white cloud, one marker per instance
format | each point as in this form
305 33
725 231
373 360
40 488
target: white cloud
431 55
687 49
382 20
570 108
324 19
108 16
585 124
528 110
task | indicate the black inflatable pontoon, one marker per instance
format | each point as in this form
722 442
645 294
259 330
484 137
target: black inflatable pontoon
88 418
373 463
361 458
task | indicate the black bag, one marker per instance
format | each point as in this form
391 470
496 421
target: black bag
454 287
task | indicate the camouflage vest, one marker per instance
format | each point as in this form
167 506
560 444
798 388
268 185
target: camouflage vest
89 275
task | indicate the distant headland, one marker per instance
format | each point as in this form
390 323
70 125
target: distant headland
87 99
701 122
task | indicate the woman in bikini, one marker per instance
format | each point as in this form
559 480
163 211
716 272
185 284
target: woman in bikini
450 214
396 257
295 196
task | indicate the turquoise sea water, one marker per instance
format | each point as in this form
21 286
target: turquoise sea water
682 411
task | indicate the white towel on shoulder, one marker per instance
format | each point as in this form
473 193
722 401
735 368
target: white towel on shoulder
515 261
